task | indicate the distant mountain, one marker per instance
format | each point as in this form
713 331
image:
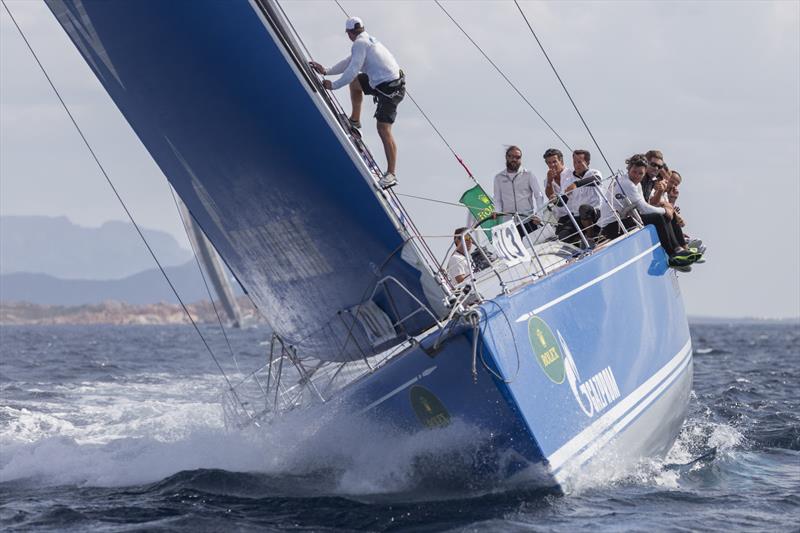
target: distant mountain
120 313
146 287
56 247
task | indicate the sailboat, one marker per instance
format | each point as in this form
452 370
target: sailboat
558 353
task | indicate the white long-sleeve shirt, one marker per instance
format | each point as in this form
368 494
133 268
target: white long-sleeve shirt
517 192
367 55
567 177
588 194
625 194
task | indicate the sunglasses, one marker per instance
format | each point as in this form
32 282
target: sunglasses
656 165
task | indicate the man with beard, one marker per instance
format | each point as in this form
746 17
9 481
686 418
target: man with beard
517 190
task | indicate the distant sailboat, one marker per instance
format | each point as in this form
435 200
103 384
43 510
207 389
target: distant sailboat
556 352
212 267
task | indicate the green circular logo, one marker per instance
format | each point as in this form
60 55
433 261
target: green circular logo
430 411
546 349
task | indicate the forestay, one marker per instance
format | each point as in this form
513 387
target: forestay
214 95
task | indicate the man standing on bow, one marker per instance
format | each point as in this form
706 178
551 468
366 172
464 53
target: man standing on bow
517 190
370 69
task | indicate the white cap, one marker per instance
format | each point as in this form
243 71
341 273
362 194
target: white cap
352 22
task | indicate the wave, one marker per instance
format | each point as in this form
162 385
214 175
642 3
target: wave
302 455
711 350
699 435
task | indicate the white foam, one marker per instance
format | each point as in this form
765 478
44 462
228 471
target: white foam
697 435
104 438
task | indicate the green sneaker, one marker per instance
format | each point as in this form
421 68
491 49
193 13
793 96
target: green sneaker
677 261
687 256
699 251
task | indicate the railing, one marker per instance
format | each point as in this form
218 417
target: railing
493 271
288 381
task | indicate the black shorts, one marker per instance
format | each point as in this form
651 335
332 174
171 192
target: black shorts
387 95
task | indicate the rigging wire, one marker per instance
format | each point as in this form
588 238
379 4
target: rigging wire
427 199
340 7
427 118
502 74
563 86
121 201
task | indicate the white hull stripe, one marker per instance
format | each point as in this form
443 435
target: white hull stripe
585 437
586 285
398 390
626 420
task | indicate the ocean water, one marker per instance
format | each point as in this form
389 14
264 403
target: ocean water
121 429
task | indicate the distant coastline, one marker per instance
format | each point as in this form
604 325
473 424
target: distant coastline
120 313
115 313
712 320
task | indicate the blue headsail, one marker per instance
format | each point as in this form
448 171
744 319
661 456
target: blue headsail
213 93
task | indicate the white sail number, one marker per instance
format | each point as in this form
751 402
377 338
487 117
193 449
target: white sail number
508 244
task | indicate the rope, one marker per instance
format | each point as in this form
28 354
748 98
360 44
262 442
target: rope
564 87
121 201
439 133
513 340
340 7
502 74
429 199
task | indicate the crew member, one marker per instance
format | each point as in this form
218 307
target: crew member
626 194
370 69
517 190
582 190
458 267
559 178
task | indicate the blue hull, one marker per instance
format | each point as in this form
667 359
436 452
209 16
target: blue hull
594 354
616 369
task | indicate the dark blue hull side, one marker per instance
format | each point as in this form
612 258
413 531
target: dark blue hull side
574 364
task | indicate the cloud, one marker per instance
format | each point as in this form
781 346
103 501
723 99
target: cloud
715 85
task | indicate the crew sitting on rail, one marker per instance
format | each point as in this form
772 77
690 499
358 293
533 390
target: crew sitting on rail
626 195
660 198
458 267
657 171
517 190
582 189
370 69
588 216
672 193
558 179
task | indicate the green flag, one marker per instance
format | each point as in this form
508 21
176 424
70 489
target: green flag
481 206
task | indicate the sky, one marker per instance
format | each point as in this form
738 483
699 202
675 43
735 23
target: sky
714 85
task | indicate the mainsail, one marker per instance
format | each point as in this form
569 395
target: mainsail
217 96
